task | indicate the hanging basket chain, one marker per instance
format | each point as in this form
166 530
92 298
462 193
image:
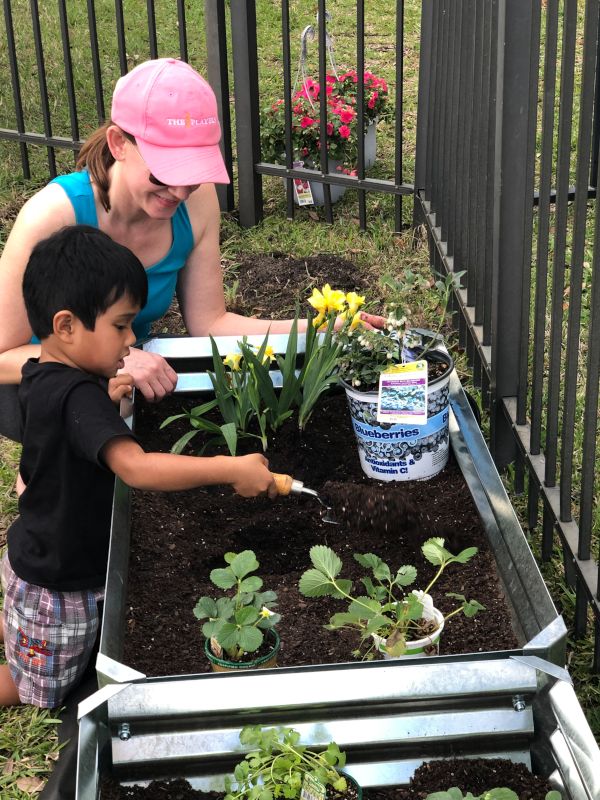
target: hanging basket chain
308 35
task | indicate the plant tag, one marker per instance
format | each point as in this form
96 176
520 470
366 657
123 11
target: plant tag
302 190
312 788
403 394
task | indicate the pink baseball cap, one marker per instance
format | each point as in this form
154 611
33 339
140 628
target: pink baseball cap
172 112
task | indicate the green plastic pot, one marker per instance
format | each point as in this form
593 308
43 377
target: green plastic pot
263 662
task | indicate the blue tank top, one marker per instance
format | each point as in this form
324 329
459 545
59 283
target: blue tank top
162 276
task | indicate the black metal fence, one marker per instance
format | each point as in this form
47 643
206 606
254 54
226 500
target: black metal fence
507 165
103 51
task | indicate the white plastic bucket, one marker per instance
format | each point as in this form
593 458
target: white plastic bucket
427 646
403 452
338 191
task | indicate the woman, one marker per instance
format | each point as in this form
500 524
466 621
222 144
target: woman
147 180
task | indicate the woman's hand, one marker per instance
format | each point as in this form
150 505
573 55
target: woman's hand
151 374
372 321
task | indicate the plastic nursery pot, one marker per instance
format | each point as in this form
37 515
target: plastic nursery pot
352 784
403 451
337 192
427 646
264 662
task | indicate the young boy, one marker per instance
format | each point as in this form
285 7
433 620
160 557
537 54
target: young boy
82 291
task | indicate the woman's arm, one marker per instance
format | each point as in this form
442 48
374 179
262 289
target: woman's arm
200 286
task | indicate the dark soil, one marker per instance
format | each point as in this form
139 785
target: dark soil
178 538
470 775
270 285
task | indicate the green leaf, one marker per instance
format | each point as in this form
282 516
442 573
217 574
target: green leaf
324 559
250 639
246 615
365 608
406 575
251 584
228 636
230 435
182 442
224 578
341 619
382 572
171 419
244 563
367 560
200 411
225 607
466 555
205 607
434 551
314 583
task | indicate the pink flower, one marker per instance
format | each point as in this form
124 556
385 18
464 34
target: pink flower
329 128
371 102
347 115
345 131
307 122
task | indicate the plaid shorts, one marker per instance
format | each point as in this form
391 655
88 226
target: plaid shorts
48 637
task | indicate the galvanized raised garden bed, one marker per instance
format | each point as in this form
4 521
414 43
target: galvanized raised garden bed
389 717
538 627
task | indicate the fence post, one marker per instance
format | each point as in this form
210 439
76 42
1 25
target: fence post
509 273
218 77
423 107
247 127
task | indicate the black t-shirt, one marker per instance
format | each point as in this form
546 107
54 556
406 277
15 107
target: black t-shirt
60 539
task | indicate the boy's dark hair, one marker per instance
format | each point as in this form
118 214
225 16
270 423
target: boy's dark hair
81 269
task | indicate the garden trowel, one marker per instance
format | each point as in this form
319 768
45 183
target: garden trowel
287 485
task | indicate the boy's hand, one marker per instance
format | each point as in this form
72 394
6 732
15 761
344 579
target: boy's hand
252 476
120 387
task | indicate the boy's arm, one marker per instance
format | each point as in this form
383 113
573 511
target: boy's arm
249 475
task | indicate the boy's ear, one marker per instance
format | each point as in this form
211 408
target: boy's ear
63 324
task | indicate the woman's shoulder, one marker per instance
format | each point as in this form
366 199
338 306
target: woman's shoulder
48 208
203 210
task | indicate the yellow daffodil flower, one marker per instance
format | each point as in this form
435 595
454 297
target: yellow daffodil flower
318 319
327 300
269 354
318 302
355 301
356 321
232 360
335 298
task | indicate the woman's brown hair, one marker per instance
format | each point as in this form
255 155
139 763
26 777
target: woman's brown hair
96 157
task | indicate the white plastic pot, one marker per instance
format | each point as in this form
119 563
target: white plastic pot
338 191
427 646
403 451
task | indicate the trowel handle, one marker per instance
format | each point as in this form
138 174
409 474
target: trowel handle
286 484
